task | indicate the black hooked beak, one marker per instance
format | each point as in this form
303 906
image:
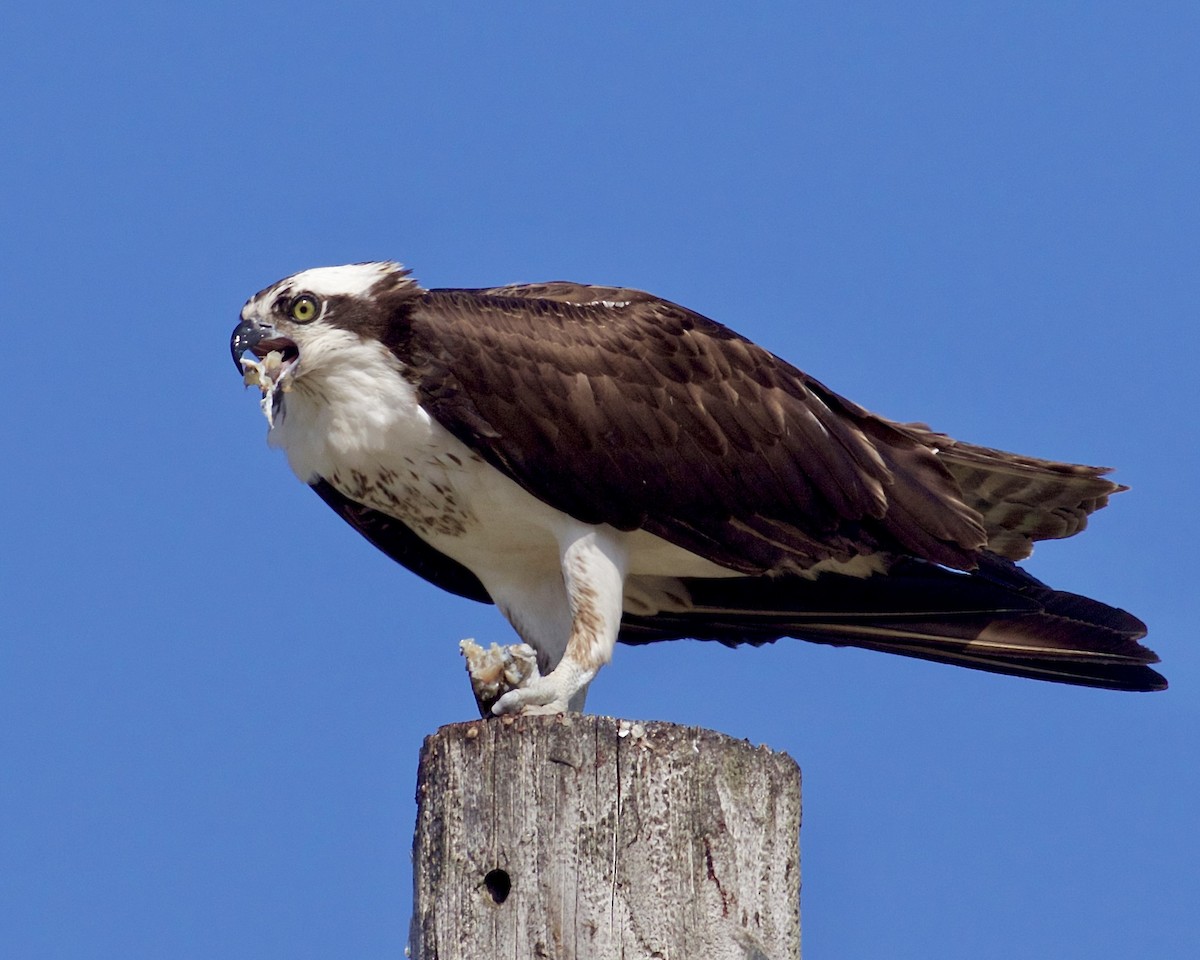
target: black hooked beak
250 337
246 336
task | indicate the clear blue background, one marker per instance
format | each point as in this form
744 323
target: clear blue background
212 692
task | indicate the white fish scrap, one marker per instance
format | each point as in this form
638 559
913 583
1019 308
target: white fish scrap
269 375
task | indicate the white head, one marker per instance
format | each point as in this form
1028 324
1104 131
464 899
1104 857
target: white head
306 316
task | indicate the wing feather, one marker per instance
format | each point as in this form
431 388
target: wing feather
618 407
999 619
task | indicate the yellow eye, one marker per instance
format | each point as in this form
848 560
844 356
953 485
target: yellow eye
303 309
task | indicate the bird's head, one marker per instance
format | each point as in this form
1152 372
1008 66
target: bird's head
297 325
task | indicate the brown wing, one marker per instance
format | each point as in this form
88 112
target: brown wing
1019 499
567 291
618 407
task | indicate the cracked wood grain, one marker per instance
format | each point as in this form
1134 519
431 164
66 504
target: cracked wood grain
578 837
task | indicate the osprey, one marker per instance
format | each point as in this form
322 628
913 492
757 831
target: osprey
605 466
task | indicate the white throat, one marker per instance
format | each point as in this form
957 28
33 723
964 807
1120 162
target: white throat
349 408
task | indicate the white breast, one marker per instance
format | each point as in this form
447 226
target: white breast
352 418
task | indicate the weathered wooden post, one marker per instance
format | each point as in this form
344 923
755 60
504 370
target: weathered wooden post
577 837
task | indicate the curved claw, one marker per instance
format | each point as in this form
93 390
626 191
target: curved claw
541 695
560 691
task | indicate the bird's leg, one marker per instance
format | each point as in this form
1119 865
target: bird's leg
593 575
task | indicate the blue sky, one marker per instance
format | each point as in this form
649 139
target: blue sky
212 692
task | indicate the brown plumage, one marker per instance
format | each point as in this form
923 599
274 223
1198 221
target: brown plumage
619 408
657 404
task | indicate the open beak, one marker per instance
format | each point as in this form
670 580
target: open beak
251 337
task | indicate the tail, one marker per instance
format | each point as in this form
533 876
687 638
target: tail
997 618
1019 499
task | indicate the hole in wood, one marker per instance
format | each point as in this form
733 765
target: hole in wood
498 885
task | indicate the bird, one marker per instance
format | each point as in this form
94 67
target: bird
607 466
